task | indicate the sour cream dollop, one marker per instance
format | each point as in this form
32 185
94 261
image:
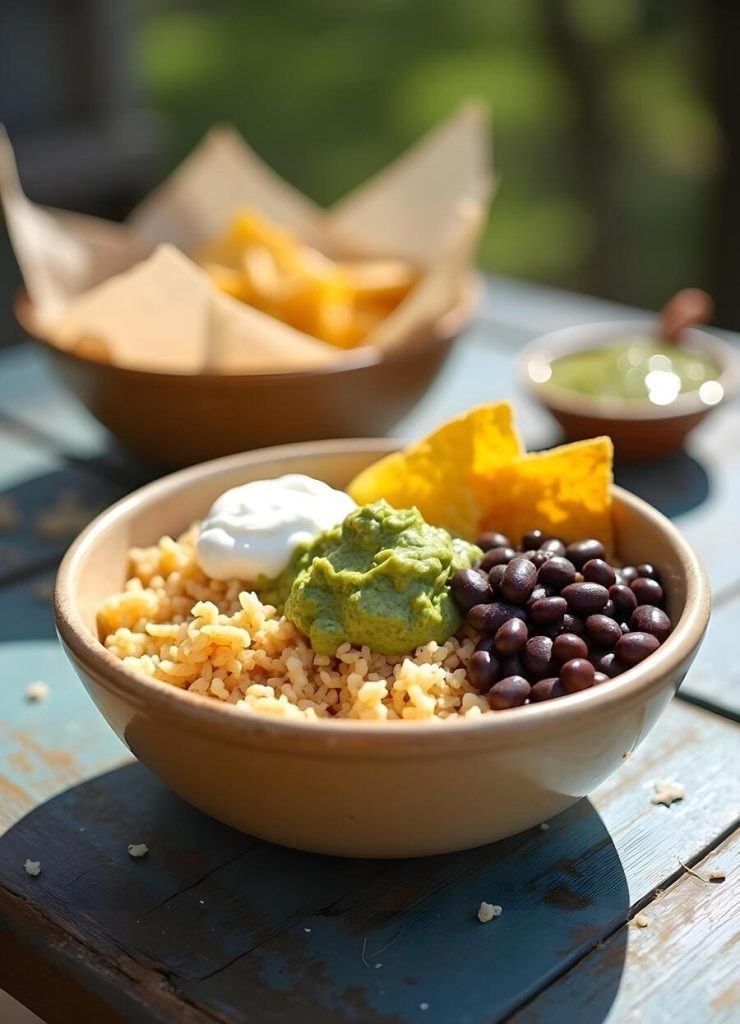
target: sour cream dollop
252 530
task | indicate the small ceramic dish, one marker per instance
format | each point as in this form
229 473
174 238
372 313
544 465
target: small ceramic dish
177 419
378 789
640 430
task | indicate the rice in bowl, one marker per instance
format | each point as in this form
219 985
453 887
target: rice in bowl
175 624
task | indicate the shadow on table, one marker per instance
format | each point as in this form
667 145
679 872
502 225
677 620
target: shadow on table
673 485
246 927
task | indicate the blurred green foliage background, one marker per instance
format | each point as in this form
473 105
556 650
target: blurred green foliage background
607 142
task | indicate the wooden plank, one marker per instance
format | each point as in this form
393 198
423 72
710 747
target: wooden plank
682 967
246 948
26 609
36 484
561 891
49 745
536 308
714 678
31 394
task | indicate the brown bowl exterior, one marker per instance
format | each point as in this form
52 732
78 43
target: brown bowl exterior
180 419
635 440
366 789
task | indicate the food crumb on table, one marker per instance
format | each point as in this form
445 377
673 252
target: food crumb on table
32 867
641 921
667 793
716 875
138 850
487 912
544 827
423 1006
37 691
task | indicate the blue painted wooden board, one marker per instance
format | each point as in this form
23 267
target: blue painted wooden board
31 395
714 678
47 746
26 609
682 967
35 482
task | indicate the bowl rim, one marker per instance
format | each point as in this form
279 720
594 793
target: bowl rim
579 337
201 714
446 327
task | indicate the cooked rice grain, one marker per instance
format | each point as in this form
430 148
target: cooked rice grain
175 624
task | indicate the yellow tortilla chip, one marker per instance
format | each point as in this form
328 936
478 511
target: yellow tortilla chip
565 491
444 474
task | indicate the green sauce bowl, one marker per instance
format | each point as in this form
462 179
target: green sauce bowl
645 426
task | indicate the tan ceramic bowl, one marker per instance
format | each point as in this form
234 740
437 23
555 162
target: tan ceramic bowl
640 431
178 419
379 789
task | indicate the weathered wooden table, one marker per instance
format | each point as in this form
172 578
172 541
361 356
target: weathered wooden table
216 926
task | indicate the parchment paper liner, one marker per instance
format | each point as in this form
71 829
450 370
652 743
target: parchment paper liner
129 293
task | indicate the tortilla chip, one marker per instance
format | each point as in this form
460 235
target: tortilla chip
446 473
565 491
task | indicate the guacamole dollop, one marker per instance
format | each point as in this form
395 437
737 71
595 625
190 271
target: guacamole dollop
379 578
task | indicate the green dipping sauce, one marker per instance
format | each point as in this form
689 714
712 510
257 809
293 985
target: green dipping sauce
638 368
379 578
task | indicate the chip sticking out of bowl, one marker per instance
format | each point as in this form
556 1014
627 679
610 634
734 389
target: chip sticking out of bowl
473 474
441 474
374 271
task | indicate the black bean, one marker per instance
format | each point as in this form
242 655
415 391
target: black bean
609 609
649 619
572 624
557 572
604 631
546 689
518 581
647 591
609 665
568 646
553 547
489 618
495 576
585 598
511 637
537 657
490 539
548 611
538 558
577 674
648 571
627 574
635 647
582 551
486 643
483 670
598 571
624 600
511 665
496 556
510 692
534 539
469 587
